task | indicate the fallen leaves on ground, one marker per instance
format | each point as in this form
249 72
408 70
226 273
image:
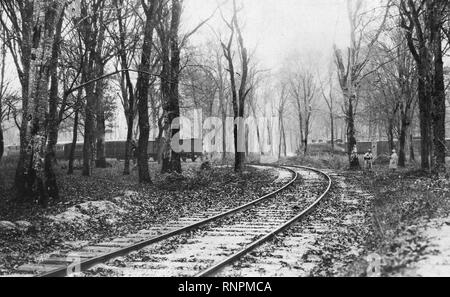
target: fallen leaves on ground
170 197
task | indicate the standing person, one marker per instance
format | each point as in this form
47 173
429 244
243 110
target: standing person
354 156
394 161
368 160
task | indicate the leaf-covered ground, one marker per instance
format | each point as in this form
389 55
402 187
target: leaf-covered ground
170 197
405 202
401 205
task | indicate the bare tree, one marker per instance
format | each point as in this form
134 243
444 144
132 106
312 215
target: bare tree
396 80
22 42
212 88
90 30
422 22
351 67
3 85
39 174
328 95
256 80
238 94
172 43
281 110
77 109
438 13
143 84
171 74
127 47
94 35
18 29
303 89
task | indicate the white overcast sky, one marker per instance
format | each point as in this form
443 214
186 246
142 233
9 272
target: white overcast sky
276 28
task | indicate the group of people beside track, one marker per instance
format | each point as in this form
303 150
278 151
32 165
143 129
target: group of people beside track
369 159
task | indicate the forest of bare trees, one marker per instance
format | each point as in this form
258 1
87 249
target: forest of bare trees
78 60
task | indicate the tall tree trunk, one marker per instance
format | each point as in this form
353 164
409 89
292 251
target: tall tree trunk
53 120
164 136
224 135
160 142
238 98
270 137
390 134
412 156
300 121
306 136
258 133
237 148
223 107
344 131
350 120
2 143
101 126
424 115
280 138
142 86
247 142
243 91
240 134
402 141
35 167
305 151
332 132
77 109
90 33
89 134
174 103
239 143
2 86
74 142
128 90
128 147
20 181
284 138
101 132
438 107
171 61
130 117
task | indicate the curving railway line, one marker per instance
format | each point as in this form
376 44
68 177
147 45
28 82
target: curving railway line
203 244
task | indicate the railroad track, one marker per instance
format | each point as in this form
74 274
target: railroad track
206 245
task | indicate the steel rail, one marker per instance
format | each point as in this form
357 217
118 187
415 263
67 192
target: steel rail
211 270
90 262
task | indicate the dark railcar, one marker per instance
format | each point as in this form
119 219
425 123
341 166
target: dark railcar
382 147
14 151
190 149
115 150
78 154
363 147
59 151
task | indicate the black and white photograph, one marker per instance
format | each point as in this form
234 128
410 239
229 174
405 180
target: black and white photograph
238 140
